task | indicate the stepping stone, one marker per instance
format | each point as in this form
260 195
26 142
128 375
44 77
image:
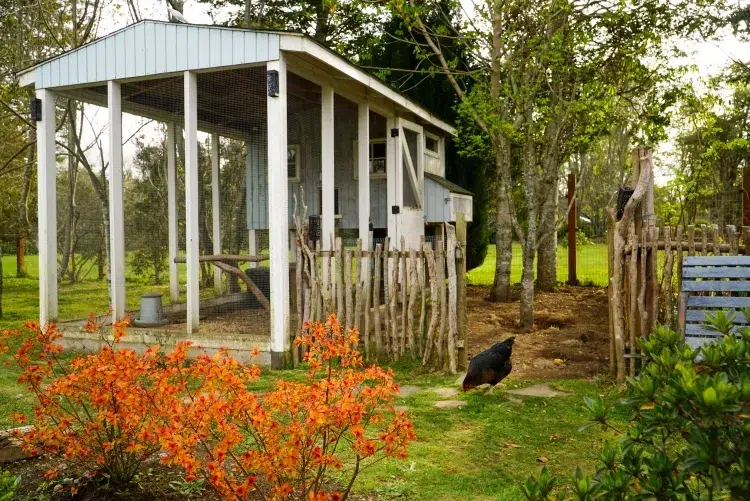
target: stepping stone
407 391
446 392
460 379
538 390
401 408
449 404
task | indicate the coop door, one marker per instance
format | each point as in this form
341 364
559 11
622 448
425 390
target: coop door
411 182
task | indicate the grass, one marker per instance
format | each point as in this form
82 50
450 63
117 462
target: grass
480 451
591 266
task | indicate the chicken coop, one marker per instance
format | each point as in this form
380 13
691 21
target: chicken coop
240 124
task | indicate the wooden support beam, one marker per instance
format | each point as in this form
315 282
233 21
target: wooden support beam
392 146
191 201
116 206
174 280
278 212
225 257
327 159
363 171
46 200
216 207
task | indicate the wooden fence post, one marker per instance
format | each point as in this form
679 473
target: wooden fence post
461 236
610 275
572 272
746 196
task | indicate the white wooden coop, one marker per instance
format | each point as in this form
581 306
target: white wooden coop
369 158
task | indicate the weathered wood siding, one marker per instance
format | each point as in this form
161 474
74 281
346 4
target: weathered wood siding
153 47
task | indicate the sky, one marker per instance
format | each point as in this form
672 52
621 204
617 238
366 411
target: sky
708 57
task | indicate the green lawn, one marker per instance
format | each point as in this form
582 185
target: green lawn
591 266
480 451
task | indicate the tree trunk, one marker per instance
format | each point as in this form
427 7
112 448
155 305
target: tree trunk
23 209
530 180
546 273
503 225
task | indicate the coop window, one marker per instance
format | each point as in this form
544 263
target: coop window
292 162
431 145
336 211
377 158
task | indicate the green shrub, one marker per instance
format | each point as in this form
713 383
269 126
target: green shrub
689 433
8 486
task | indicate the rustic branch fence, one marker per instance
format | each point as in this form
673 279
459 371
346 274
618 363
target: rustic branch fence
645 266
404 303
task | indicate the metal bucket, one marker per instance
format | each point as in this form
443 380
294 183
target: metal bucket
151 314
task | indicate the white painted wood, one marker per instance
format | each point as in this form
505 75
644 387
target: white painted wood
116 207
338 63
278 211
327 162
411 169
216 208
46 200
252 239
152 48
191 200
363 171
174 280
392 148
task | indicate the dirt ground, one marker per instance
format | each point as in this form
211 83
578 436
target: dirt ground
569 339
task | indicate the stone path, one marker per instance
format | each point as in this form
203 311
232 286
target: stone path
543 390
538 390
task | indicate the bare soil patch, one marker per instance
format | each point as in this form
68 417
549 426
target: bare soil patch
569 339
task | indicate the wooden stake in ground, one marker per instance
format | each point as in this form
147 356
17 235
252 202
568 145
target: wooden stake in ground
349 311
633 291
357 322
413 286
434 304
440 267
691 240
462 239
387 287
653 258
339 271
404 293
642 287
704 240
450 261
376 299
668 264
395 339
620 236
300 264
422 312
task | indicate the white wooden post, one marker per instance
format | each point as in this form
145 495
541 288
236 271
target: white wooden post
363 173
392 146
191 201
278 215
216 207
252 239
116 207
328 222
174 280
328 202
47 202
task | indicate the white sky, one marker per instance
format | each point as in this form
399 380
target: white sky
708 57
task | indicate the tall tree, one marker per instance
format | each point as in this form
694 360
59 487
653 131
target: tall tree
551 71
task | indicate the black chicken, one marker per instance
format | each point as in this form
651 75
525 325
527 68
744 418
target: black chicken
490 367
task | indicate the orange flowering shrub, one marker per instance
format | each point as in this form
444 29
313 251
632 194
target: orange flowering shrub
99 412
283 445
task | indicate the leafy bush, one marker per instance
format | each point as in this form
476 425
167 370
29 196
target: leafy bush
98 413
8 486
284 443
689 433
